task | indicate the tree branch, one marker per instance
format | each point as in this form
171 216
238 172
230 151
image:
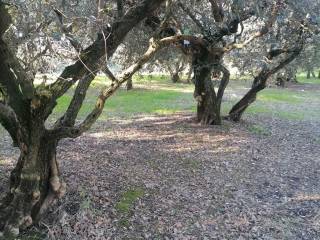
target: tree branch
259 84
67 30
217 10
73 132
105 44
15 83
192 16
264 30
9 121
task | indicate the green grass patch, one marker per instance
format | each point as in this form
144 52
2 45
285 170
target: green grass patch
32 234
279 95
302 78
156 94
128 199
259 130
163 99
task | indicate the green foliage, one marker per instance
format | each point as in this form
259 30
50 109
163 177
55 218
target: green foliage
127 200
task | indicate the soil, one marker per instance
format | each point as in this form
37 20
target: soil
197 182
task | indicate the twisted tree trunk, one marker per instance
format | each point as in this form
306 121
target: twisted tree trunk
35 182
175 77
209 102
259 84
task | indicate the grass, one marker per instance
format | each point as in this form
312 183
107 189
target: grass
302 78
128 199
152 95
259 130
31 235
155 94
280 95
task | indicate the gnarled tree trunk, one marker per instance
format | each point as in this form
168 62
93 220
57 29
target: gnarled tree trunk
34 182
207 111
175 77
259 84
209 102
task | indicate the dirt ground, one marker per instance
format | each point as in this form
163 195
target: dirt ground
196 182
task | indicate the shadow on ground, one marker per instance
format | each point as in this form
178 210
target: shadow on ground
169 178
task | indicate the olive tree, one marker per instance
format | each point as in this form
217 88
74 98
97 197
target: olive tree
35 182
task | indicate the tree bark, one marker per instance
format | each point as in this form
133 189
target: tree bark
207 110
34 183
129 84
175 77
205 61
259 84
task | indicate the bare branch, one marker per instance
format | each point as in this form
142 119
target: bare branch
67 30
155 46
96 51
192 16
217 11
264 30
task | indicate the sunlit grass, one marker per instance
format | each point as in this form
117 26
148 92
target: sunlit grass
302 78
127 200
134 102
156 94
280 95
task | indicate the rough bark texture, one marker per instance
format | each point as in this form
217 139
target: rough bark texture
259 84
129 84
208 109
35 182
175 77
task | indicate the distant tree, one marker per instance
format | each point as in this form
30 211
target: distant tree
225 28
